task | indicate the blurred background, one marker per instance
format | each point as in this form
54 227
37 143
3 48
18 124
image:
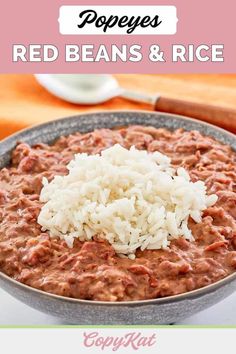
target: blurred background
23 101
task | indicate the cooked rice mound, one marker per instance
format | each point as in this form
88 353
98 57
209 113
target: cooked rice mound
131 198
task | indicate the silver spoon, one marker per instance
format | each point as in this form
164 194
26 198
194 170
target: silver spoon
92 89
89 88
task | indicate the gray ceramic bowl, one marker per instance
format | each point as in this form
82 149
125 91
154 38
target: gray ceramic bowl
158 311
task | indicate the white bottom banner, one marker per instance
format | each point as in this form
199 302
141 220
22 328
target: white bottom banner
158 340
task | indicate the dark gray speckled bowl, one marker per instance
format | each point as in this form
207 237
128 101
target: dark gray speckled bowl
158 311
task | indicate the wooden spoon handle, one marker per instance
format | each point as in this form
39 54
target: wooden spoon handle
223 117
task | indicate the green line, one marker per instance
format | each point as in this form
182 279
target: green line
118 326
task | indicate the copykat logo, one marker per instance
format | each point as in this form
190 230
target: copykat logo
133 340
118 20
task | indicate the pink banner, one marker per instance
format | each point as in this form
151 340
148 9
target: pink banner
204 36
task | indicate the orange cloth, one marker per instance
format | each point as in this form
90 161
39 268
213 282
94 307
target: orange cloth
24 102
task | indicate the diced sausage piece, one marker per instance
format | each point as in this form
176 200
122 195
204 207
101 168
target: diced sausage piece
140 269
202 267
39 253
182 243
185 268
214 247
140 140
27 164
173 269
20 152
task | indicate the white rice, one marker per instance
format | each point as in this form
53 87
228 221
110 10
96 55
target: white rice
131 198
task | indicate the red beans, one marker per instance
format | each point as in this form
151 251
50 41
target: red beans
92 270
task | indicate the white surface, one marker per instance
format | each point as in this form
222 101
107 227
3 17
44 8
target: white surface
119 341
13 312
71 17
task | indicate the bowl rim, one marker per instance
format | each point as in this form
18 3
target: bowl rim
190 295
117 111
162 300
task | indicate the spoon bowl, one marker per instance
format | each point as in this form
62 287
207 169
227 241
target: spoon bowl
81 88
89 89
